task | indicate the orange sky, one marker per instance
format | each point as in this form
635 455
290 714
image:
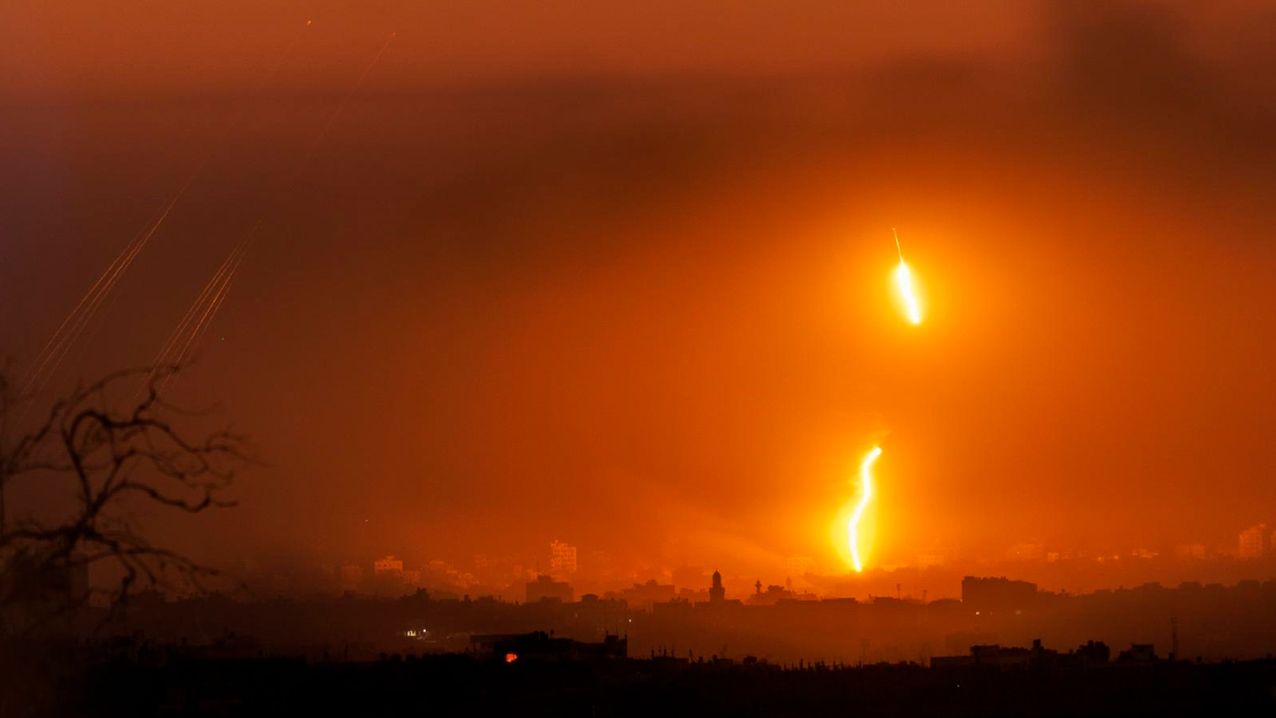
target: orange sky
621 278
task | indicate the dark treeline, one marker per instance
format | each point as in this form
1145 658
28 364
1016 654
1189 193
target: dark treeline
1211 622
469 685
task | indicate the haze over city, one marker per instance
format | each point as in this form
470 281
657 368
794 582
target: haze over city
845 300
523 285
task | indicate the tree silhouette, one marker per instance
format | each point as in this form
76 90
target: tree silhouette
112 443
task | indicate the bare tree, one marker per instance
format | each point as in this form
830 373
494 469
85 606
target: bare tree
112 443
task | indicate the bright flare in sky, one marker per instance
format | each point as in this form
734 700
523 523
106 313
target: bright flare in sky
904 282
866 493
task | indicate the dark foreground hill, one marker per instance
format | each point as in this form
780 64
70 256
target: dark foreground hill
470 686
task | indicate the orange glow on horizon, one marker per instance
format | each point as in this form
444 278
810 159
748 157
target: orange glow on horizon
866 494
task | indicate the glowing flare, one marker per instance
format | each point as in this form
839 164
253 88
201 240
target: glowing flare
866 493
904 282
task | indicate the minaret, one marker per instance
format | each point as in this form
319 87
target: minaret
716 592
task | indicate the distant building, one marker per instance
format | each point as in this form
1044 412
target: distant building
1138 653
388 564
545 588
1190 551
997 594
716 592
693 595
1091 653
351 576
643 595
1254 542
562 559
775 594
679 609
388 577
1026 552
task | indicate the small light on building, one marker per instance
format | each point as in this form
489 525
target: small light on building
511 657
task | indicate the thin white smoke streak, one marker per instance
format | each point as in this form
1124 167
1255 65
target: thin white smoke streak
210 288
80 321
137 249
210 306
264 80
89 298
50 358
285 55
181 351
214 305
83 315
221 282
167 352
79 307
354 89
197 331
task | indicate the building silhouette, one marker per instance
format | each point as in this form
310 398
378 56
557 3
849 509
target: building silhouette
644 595
545 588
1090 653
717 594
997 594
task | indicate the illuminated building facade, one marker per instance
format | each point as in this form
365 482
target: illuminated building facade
388 564
1254 542
562 560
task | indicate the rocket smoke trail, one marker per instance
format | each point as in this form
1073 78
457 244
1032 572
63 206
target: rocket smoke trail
185 337
72 328
354 89
214 304
59 345
181 343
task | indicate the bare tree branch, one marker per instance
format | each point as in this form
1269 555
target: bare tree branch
109 451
